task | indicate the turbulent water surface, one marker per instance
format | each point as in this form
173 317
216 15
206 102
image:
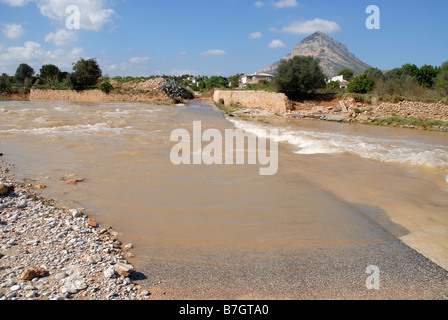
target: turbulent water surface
345 197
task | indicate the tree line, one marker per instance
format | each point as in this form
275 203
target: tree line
300 77
86 74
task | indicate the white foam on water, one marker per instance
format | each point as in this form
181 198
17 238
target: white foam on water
71 130
379 149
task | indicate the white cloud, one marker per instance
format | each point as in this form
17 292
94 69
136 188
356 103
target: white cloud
93 16
94 13
139 59
62 38
33 54
311 26
276 44
259 4
286 4
16 3
183 52
13 31
214 53
255 35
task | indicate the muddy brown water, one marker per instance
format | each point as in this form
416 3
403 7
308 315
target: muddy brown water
344 197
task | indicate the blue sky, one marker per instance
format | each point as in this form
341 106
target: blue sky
225 37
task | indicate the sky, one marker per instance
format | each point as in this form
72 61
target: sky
210 37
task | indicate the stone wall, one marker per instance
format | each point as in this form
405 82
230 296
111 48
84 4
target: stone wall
349 110
271 101
98 96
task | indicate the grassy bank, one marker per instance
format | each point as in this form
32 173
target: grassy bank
412 123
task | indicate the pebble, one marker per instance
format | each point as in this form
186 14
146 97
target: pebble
34 235
145 293
109 273
124 269
75 213
15 288
128 247
29 288
3 189
22 204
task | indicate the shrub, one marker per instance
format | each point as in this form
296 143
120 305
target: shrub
442 79
106 87
334 85
361 84
175 91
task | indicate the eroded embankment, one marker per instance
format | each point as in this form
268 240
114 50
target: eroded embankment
150 96
408 114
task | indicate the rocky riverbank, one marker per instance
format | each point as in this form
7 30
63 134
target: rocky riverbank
406 114
50 253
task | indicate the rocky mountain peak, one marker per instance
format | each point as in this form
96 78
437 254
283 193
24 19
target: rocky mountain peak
333 55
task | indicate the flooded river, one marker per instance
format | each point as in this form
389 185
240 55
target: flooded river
344 197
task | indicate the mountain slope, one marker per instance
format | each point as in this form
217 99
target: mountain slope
333 55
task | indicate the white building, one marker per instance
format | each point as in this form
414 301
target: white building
343 84
336 79
254 78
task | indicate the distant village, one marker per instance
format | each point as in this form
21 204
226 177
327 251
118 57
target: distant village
255 78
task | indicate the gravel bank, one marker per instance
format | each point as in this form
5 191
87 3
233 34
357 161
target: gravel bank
50 253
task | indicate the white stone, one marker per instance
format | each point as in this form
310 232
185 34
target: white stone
145 293
15 288
109 273
75 213
128 247
29 288
124 269
60 276
22 204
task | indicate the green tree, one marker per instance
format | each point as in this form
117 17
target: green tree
442 79
216 82
49 71
234 81
427 75
24 74
348 74
361 84
4 83
87 73
202 85
299 76
374 73
62 76
410 69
